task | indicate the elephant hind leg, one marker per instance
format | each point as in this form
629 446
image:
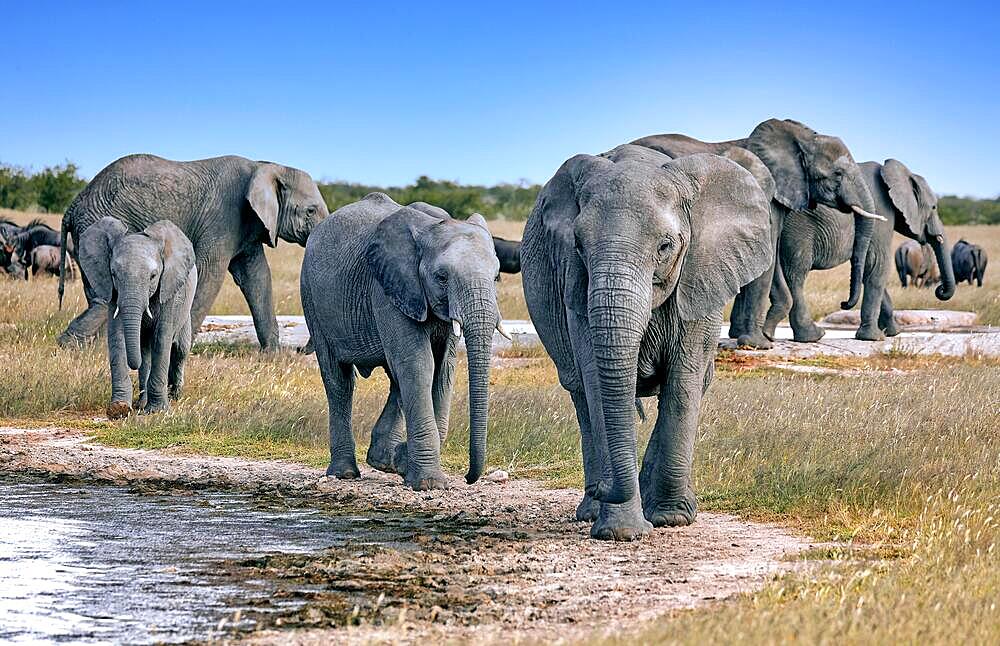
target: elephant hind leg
338 381
388 433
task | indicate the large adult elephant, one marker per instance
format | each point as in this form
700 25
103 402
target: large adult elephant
807 168
822 238
969 262
628 260
229 207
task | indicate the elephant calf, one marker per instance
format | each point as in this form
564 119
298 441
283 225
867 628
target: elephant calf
393 286
916 261
969 262
153 279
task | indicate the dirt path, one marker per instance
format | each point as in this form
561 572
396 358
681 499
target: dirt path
500 561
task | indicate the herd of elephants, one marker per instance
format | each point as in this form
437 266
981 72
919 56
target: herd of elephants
628 260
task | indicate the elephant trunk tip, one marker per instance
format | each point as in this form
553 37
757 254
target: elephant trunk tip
475 472
944 292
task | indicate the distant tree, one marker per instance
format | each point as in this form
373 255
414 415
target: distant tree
16 188
57 186
968 210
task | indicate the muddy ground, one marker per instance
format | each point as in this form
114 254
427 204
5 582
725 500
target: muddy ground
500 561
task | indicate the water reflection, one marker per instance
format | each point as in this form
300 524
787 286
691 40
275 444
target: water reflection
84 564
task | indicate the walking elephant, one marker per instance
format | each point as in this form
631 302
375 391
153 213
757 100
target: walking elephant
969 262
915 264
154 279
822 238
807 169
228 207
628 260
393 286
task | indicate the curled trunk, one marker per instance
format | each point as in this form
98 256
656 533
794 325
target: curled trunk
946 289
479 319
864 228
618 311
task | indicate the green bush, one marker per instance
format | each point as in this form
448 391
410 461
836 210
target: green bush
968 210
509 201
50 189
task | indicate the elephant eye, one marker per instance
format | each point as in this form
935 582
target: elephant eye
310 210
665 246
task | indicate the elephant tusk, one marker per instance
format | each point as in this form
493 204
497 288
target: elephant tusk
860 211
149 312
456 328
503 332
116 311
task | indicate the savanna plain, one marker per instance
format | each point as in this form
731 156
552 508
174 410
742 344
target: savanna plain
892 464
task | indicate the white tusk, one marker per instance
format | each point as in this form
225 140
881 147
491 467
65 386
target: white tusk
874 216
503 332
456 328
116 312
149 312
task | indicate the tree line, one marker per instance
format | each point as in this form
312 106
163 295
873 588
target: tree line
53 188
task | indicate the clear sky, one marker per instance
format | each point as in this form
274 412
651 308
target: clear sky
488 92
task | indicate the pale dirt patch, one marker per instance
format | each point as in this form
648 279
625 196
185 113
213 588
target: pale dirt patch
499 561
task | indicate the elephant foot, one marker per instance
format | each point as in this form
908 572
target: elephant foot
426 480
770 329
588 509
890 330
382 459
308 348
174 392
757 341
807 334
736 331
623 522
153 407
671 512
118 410
869 333
343 468
68 340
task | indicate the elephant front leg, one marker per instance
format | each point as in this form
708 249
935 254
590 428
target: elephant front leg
444 380
159 366
871 305
387 450
211 274
781 303
618 522
87 324
668 498
804 329
253 276
121 382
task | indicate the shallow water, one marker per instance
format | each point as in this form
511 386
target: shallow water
97 564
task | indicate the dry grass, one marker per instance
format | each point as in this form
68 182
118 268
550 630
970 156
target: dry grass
906 462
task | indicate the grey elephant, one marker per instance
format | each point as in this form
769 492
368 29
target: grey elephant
822 238
969 262
807 169
628 259
228 207
509 254
154 280
915 264
393 286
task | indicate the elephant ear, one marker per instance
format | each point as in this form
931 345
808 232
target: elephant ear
94 254
262 195
431 210
556 209
177 255
903 191
393 256
730 232
755 166
779 145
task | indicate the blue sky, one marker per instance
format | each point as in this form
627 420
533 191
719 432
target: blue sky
479 92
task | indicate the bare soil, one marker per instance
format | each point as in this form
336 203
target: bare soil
499 561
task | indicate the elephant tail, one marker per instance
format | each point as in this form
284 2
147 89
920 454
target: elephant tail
63 231
901 264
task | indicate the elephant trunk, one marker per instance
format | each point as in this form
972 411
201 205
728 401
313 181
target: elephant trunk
618 312
857 196
130 312
479 319
946 289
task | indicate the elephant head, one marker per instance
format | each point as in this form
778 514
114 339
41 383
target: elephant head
430 266
641 231
809 169
94 255
287 202
916 202
148 270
